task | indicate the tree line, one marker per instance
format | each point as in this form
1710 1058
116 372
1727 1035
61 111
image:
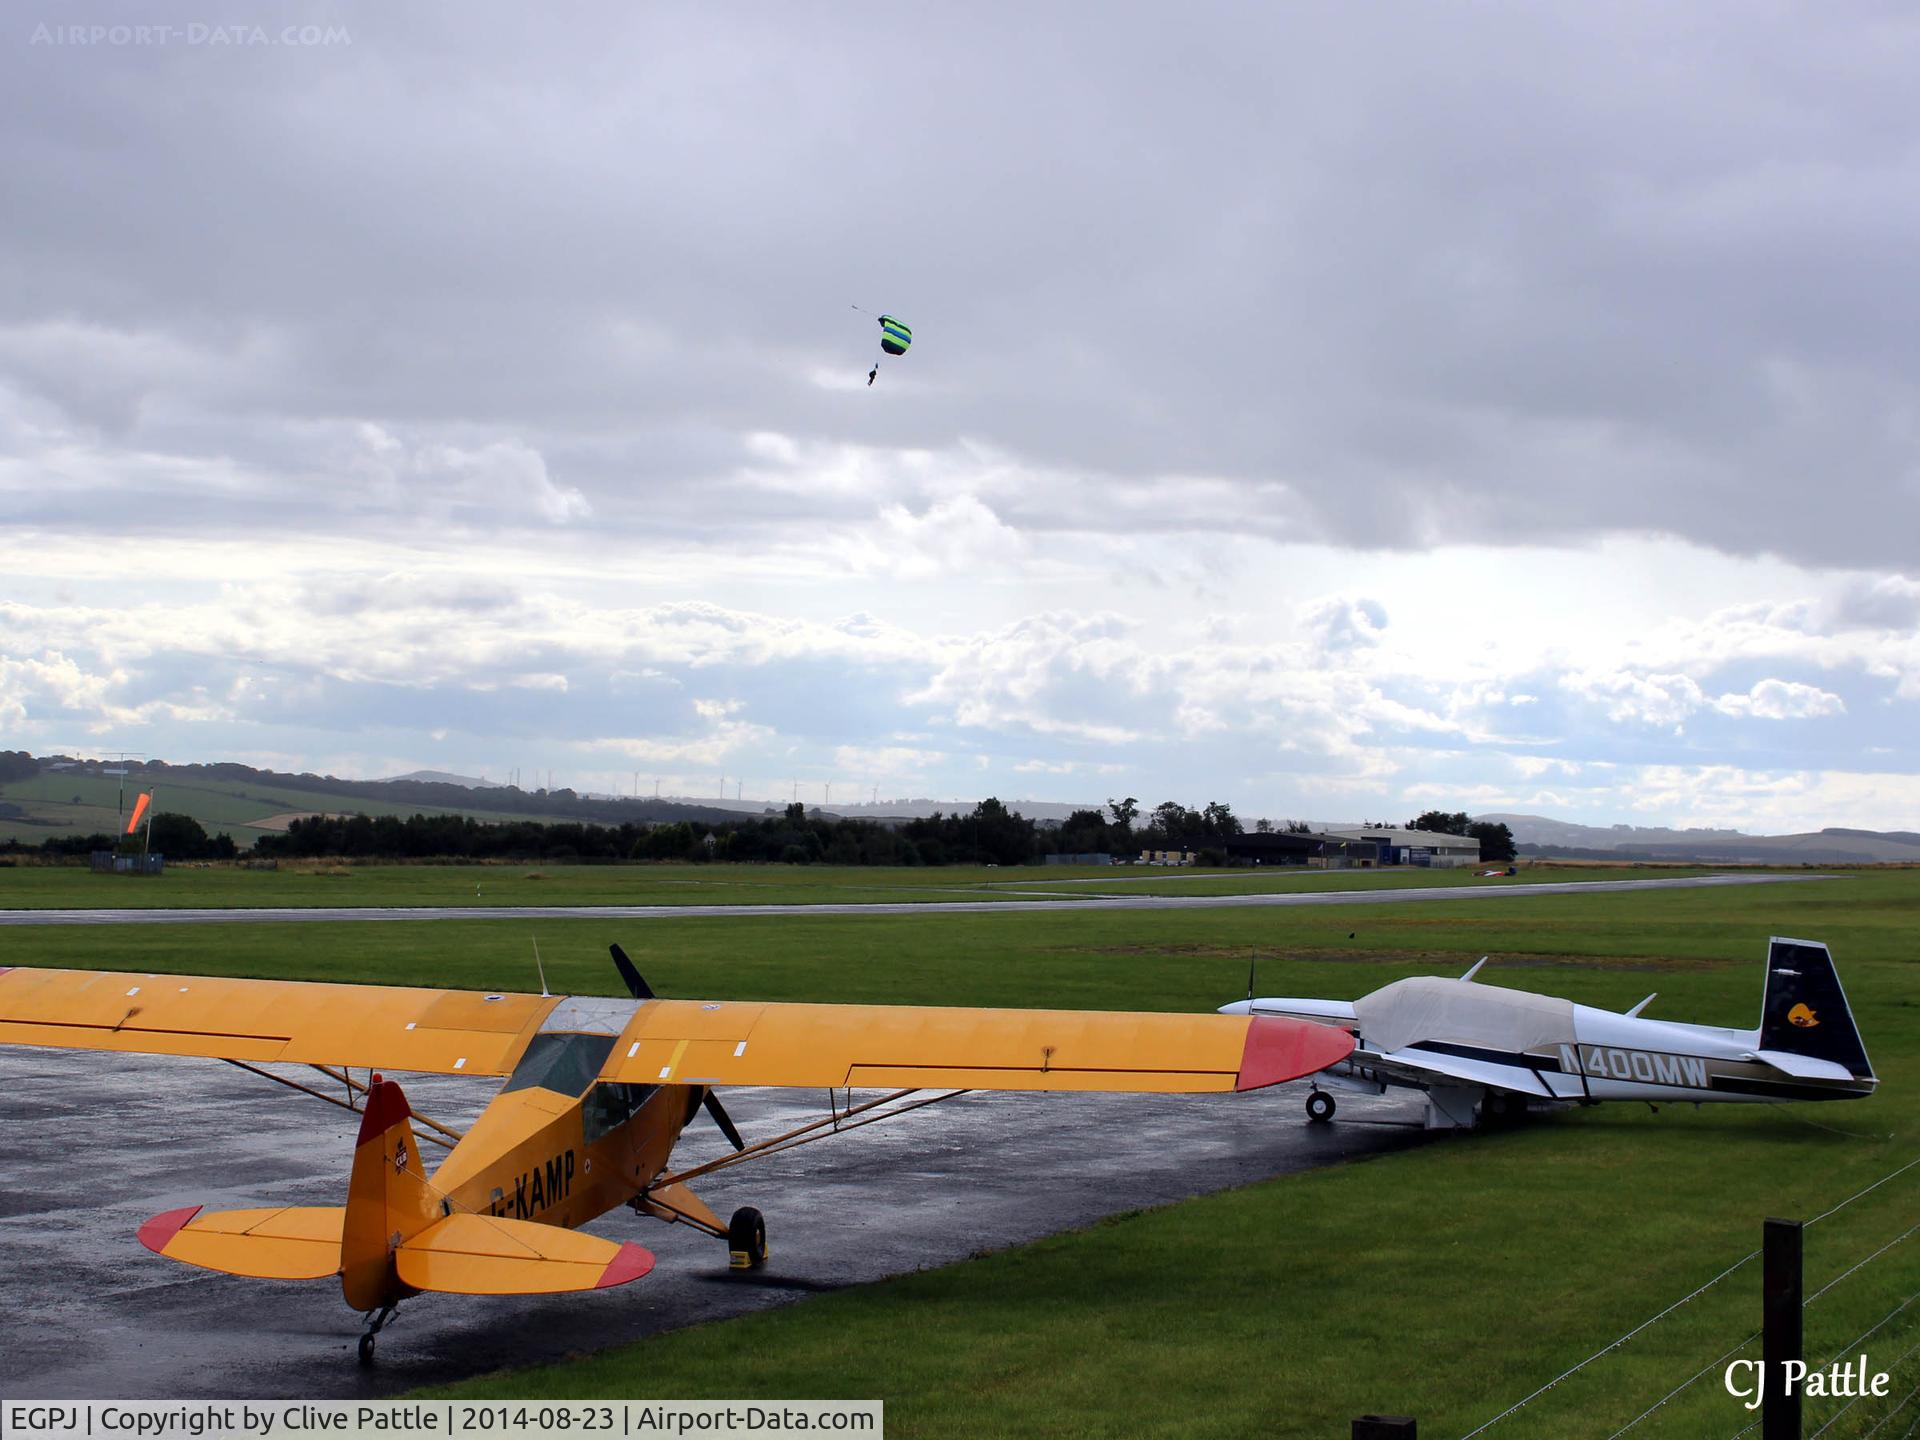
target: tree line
989 834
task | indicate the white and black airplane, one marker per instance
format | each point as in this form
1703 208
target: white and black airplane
1484 1052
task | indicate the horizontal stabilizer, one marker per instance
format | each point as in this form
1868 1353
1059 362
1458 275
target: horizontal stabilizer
1803 1067
298 1243
488 1255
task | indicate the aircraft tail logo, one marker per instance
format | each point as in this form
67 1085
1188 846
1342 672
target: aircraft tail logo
1805 1011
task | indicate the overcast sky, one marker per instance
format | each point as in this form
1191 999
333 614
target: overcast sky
1334 410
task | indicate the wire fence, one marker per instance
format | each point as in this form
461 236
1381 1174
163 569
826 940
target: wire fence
1693 1295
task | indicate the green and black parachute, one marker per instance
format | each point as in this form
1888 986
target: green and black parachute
895 338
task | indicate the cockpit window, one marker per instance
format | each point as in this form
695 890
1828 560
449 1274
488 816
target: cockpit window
611 1104
563 1063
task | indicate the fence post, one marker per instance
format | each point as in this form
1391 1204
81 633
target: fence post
1781 1339
1383 1427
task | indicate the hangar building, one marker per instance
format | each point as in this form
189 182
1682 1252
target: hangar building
1419 847
1329 852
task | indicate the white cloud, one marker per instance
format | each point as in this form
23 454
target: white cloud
1782 700
1341 623
1638 698
956 536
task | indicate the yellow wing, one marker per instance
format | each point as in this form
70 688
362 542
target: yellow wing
924 1046
667 1041
439 1031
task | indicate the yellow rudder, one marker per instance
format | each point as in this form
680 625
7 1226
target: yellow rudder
388 1200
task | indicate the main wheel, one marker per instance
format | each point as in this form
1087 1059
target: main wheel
747 1239
1319 1107
1503 1109
366 1349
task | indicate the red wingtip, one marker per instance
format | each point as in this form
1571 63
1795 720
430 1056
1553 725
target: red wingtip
386 1108
161 1228
631 1263
1280 1050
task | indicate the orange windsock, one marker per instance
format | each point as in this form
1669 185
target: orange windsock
139 810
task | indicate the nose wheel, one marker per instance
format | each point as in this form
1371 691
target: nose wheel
1319 1107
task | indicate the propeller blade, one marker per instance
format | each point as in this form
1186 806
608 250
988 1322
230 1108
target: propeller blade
1250 964
636 986
723 1120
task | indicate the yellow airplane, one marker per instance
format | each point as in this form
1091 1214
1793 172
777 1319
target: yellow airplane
597 1093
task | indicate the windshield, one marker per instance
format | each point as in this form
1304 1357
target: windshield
564 1064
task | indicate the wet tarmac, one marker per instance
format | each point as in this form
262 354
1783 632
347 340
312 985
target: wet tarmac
94 1145
278 915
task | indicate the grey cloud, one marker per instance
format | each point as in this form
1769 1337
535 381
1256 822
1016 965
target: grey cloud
1400 277
1890 602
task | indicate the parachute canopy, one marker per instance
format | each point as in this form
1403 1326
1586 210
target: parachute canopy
894 336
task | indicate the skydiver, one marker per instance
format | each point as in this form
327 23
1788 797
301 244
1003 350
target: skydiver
873 372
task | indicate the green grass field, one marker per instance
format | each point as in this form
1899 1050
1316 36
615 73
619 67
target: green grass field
305 883
59 803
1444 1282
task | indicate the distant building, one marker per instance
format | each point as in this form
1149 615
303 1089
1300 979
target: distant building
109 862
1166 857
1322 852
1419 847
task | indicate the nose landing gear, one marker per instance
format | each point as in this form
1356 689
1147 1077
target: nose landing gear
1320 1107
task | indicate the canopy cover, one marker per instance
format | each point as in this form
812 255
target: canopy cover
1459 1012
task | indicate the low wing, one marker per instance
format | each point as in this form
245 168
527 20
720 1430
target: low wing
488 1255
1426 1067
438 1031
935 1046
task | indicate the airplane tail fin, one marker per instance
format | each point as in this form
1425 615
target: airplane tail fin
388 1199
1805 1011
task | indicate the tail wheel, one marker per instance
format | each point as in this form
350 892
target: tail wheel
1319 1107
366 1349
747 1239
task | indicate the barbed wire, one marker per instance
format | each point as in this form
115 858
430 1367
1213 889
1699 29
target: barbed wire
1703 1370
1894 1175
1858 1398
1836 1353
1861 1266
1613 1345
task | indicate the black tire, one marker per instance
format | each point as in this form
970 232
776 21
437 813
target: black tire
366 1349
1320 1107
1503 1110
747 1239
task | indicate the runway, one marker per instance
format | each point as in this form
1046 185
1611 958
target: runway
96 1145
1436 894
